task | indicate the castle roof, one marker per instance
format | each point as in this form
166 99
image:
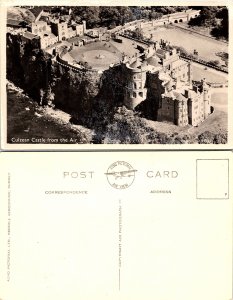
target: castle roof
191 93
179 96
169 85
43 18
145 63
13 23
40 22
36 11
153 60
178 63
204 83
170 94
136 64
49 34
29 35
164 77
160 52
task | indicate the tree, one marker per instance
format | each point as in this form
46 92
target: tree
155 15
214 62
137 34
214 17
88 13
115 14
206 137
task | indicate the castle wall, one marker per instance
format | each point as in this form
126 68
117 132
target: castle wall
155 89
46 41
206 100
60 30
199 105
173 111
167 110
80 30
40 27
181 116
195 111
181 71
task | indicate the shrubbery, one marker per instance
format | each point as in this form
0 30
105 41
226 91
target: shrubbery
212 138
127 127
214 17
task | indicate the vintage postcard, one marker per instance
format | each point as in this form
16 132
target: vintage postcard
91 76
104 225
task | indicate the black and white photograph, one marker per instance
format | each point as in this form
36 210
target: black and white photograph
117 75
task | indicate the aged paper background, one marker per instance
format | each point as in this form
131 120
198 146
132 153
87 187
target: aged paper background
68 233
4 4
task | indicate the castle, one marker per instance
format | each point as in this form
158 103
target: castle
57 30
48 30
180 101
157 68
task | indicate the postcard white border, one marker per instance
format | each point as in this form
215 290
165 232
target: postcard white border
93 147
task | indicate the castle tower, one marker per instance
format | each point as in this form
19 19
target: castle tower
181 111
156 45
60 29
135 91
206 97
190 73
190 111
84 27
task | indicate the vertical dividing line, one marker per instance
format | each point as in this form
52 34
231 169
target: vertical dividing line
119 242
119 279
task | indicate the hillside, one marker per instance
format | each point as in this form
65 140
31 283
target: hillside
18 13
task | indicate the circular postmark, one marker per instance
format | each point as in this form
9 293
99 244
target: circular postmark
120 175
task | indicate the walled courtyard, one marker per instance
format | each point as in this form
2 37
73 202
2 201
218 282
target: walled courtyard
99 55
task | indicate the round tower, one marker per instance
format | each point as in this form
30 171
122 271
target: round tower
135 91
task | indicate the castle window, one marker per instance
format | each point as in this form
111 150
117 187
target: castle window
135 85
141 94
134 95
